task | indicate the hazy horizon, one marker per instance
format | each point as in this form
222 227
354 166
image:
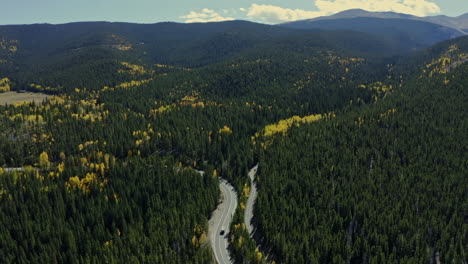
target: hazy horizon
24 12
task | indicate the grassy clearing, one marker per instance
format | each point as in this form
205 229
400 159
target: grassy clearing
14 97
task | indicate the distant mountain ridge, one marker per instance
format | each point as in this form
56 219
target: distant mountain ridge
51 55
459 23
86 54
414 33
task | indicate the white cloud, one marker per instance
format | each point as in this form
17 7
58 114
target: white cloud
276 14
206 15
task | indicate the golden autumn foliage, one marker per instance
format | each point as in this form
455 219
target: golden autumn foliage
61 167
199 236
284 125
32 119
172 67
83 161
198 241
192 100
9 45
379 87
83 184
258 255
133 69
360 120
390 112
202 238
189 99
44 159
42 138
334 59
142 136
120 43
240 242
198 104
162 109
88 110
133 83
45 88
246 190
5 85
195 241
225 130
448 60
123 47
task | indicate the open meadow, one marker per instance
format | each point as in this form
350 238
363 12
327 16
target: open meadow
14 97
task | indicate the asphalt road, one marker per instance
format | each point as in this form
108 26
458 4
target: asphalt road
221 219
248 215
13 169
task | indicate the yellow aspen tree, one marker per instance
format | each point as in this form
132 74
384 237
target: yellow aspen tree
61 167
44 159
202 238
106 160
194 241
102 169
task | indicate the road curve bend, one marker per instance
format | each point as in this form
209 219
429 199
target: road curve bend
248 215
220 220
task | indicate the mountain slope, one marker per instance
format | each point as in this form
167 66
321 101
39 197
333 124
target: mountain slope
382 183
459 23
409 34
80 55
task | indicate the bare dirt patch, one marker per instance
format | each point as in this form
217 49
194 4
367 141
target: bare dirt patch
14 97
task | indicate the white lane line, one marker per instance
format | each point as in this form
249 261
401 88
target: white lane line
223 220
218 248
220 242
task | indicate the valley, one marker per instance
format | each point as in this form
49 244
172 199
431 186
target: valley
319 141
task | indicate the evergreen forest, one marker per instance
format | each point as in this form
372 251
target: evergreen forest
362 153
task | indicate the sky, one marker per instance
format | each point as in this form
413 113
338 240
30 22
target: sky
189 11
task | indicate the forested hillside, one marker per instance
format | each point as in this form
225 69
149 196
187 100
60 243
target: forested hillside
405 34
107 169
384 183
59 58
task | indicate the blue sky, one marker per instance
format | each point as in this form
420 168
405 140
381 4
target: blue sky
152 11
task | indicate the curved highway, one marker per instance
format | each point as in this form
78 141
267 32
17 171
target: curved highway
248 215
220 220
249 212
